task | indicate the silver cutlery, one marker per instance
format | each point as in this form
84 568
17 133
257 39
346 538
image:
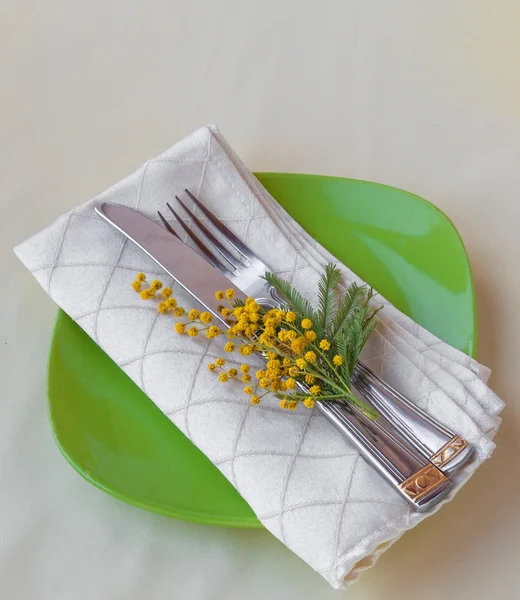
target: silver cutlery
399 460
440 446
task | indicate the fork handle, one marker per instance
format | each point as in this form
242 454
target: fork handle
422 484
442 447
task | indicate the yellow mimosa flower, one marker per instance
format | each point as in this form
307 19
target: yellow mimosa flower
310 357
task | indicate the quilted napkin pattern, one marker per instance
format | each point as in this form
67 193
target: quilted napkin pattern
305 482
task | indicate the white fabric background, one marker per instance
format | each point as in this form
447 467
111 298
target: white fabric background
418 96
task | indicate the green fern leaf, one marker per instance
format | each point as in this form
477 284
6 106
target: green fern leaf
367 330
296 302
354 339
341 349
327 299
352 301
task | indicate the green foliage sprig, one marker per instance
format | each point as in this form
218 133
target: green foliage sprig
342 322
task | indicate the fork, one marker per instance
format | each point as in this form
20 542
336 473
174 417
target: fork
403 440
441 446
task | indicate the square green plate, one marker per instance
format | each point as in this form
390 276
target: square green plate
116 438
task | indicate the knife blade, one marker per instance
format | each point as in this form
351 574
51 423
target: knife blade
171 254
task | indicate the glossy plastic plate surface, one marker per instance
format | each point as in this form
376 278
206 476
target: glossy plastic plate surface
114 436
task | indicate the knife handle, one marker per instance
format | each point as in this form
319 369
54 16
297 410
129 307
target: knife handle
440 446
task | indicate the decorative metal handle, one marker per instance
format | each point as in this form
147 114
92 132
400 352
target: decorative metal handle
398 461
440 446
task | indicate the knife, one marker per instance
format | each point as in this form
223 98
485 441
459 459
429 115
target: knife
420 482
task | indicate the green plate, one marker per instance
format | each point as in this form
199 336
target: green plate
114 436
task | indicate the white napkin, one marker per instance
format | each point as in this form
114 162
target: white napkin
304 480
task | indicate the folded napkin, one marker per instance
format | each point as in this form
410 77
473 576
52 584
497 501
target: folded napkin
307 484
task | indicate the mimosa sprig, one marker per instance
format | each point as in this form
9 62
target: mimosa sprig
317 348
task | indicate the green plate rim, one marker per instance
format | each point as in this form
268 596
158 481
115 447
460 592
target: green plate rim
205 518
182 515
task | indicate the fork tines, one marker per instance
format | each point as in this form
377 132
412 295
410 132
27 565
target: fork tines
218 250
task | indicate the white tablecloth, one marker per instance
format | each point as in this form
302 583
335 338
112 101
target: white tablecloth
418 95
